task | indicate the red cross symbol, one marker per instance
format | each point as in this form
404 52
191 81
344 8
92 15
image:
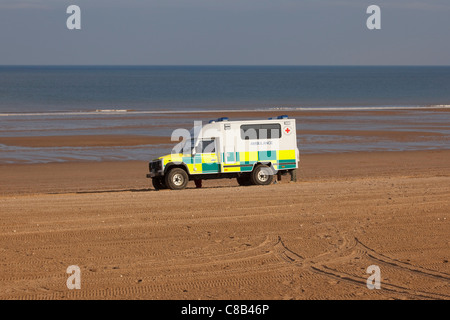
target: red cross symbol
287 130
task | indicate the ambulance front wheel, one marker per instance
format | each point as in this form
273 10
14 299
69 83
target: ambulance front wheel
176 179
158 183
262 175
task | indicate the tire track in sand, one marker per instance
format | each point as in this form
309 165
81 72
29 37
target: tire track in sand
351 248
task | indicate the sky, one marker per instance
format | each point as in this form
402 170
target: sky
224 32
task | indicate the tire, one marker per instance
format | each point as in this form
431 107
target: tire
244 180
158 183
176 179
262 175
294 175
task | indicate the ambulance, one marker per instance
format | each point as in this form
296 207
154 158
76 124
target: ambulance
250 151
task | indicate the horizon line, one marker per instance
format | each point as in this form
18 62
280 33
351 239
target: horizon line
223 65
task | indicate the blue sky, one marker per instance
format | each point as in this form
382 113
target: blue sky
225 32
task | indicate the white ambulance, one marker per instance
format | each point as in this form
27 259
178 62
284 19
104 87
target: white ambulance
252 151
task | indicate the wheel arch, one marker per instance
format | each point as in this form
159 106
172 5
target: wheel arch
171 165
266 163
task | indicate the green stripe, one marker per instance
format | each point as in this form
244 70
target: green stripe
287 161
267 155
237 165
210 167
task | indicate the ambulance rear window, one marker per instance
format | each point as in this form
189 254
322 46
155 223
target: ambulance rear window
260 131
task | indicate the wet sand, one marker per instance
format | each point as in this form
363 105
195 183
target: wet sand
105 138
136 140
84 141
313 239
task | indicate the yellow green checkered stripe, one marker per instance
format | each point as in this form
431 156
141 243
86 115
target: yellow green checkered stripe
280 159
236 161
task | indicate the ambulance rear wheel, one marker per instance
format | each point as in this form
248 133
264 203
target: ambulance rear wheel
244 180
262 175
176 179
293 175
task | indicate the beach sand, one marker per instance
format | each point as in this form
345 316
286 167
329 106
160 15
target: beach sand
313 239
111 140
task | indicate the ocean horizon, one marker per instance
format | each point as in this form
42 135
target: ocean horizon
29 89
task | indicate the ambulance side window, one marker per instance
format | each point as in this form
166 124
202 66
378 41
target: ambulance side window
260 131
249 132
206 146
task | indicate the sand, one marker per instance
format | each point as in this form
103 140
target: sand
313 239
111 140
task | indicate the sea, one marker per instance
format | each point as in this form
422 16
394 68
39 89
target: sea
148 100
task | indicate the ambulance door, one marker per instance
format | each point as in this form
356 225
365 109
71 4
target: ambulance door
230 160
207 155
